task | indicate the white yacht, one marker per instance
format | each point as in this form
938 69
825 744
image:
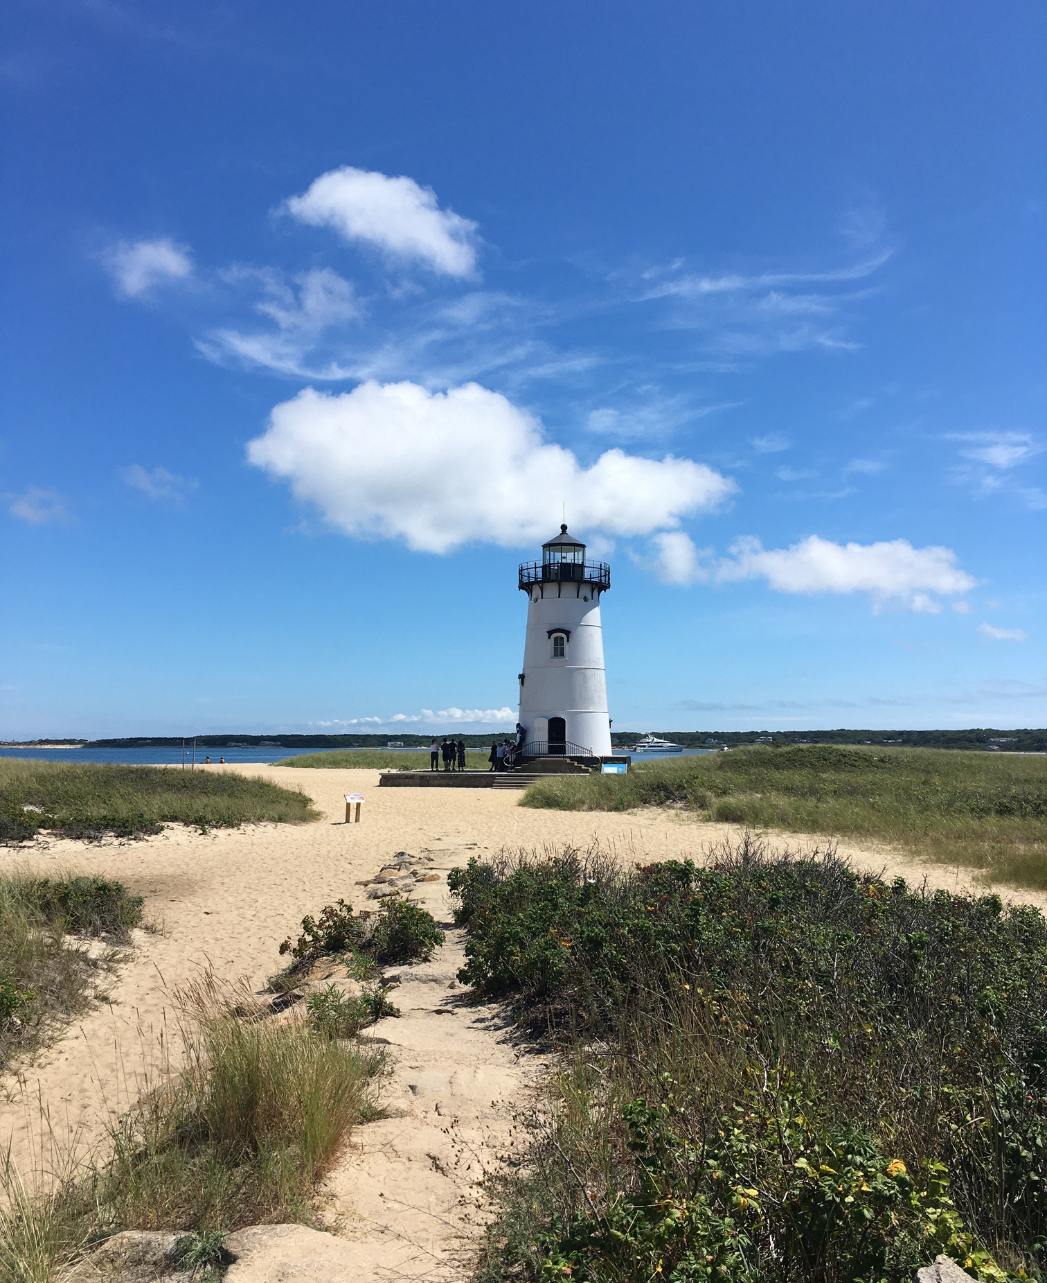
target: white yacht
652 744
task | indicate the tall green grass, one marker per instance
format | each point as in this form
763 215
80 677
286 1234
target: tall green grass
771 1070
985 811
91 800
44 976
240 1135
377 759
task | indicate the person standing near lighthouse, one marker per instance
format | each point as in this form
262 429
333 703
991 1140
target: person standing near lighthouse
563 685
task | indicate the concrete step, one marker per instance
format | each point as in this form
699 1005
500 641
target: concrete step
515 780
555 766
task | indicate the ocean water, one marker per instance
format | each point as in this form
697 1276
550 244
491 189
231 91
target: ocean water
164 756
169 756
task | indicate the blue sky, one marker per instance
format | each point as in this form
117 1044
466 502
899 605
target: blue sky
319 316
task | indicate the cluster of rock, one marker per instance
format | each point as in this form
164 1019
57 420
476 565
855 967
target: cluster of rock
944 1270
399 876
258 1254
278 1254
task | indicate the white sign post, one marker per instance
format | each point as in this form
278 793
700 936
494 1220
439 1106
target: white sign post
353 801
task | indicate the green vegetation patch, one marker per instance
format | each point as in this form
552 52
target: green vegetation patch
985 811
772 1069
43 977
398 932
92 800
376 759
240 1136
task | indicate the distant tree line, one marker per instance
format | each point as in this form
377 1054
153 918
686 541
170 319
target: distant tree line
985 738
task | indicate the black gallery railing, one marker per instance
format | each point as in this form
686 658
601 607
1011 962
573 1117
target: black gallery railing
597 573
548 748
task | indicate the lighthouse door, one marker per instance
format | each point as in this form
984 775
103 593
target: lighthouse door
557 737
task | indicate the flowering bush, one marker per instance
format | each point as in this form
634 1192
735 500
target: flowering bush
788 1070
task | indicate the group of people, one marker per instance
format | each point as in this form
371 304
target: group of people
503 755
451 751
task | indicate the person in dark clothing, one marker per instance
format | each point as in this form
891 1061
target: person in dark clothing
434 755
445 750
461 755
492 757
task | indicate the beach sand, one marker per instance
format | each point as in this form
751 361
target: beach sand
226 899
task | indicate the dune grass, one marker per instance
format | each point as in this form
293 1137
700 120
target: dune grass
377 759
241 1135
771 1070
44 976
985 811
91 800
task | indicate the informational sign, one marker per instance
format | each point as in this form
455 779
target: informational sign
613 768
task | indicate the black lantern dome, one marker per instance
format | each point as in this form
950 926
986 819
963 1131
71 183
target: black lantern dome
563 561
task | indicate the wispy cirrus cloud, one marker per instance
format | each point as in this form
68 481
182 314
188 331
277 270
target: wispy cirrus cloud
1003 634
158 483
646 412
37 505
991 463
770 443
753 314
696 286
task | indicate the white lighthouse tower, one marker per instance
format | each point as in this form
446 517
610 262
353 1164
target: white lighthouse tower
563 686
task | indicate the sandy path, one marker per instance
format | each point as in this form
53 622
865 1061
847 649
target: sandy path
228 898
407 1193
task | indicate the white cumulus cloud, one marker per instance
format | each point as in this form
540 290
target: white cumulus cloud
436 470
139 266
676 558
396 216
426 717
888 571
1003 634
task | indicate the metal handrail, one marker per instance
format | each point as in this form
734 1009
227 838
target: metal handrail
597 573
540 748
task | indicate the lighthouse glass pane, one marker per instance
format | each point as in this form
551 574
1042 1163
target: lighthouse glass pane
559 647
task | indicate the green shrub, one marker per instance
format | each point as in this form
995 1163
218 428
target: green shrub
204 1250
796 1028
86 905
402 932
17 824
12 998
769 1189
399 932
336 930
337 1015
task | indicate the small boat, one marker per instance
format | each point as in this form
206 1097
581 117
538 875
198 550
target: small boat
652 744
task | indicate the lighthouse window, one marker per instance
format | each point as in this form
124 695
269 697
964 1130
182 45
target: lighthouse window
559 646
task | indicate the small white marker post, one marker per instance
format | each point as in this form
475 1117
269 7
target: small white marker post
353 800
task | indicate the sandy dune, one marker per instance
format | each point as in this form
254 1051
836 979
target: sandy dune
227 899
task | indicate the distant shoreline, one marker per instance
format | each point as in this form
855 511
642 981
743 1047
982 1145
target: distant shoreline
984 739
